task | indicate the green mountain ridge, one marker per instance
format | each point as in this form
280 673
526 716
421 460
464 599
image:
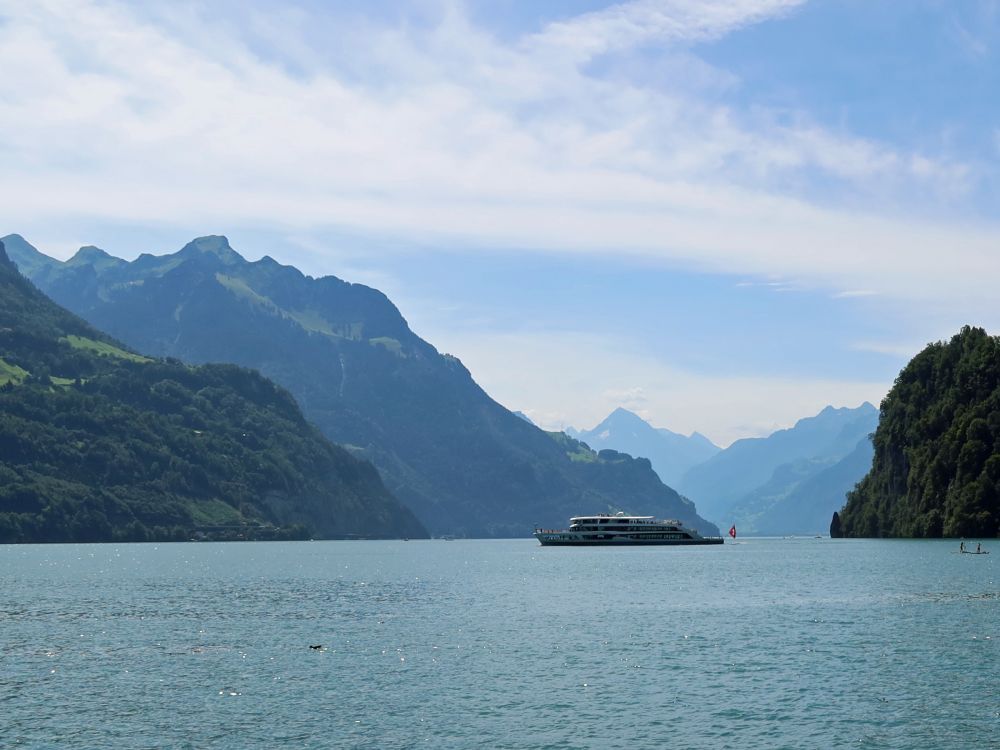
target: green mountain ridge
463 463
936 468
99 443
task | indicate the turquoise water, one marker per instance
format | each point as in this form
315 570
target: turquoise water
500 644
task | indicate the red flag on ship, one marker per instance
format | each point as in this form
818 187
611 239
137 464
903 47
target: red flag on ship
732 531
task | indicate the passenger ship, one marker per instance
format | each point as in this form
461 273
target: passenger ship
621 529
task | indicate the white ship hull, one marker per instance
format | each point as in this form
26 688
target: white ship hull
621 530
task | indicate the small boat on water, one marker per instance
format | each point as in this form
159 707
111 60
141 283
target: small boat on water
620 529
977 551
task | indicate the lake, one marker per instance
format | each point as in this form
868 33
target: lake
768 643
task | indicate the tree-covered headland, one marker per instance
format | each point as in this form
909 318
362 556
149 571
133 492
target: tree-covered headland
936 470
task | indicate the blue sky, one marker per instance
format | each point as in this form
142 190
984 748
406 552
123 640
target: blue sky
722 215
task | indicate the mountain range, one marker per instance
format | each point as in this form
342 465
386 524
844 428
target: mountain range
787 483
671 454
463 463
801 496
101 443
790 481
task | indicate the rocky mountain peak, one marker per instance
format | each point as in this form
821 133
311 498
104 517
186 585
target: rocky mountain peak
216 245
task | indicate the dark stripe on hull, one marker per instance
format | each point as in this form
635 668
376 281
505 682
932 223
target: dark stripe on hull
624 542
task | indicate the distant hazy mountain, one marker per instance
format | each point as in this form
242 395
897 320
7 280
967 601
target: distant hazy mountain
754 481
808 507
101 444
463 463
671 454
523 416
801 496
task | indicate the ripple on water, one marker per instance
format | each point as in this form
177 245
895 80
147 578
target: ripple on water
498 644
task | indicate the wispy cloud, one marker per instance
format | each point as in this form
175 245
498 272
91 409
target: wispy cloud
452 136
626 25
902 350
631 398
442 133
775 285
973 44
853 293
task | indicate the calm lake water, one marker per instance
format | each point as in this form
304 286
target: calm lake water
500 644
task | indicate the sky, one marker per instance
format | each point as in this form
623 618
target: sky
721 215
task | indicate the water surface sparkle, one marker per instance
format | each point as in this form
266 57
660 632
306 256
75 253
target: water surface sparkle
504 644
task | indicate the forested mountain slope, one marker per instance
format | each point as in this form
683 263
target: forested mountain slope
463 463
98 443
936 470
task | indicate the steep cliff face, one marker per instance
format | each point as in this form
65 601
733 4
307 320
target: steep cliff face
936 469
463 463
